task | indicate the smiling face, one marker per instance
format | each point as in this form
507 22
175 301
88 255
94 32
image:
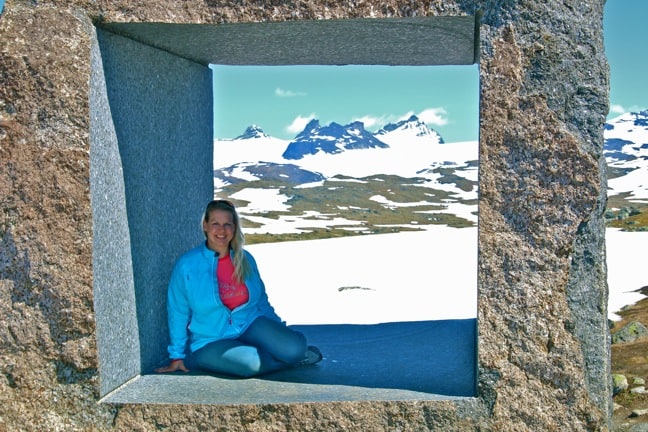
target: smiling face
219 229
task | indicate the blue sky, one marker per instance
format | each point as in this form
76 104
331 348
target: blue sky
282 99
626 46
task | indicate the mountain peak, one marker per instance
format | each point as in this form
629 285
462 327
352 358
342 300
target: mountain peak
411 126
393 126
310 128
253 132
333 138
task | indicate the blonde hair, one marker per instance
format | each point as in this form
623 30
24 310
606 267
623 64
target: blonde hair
239 259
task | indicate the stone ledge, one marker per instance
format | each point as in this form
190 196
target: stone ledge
423 360
210 390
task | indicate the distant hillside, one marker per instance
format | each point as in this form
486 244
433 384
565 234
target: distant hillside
626 152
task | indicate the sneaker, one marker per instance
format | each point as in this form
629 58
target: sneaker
313 355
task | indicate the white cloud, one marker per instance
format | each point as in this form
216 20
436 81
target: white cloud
620 109
405 116
287 93
299 123
434 116
372 121
617 109
431 116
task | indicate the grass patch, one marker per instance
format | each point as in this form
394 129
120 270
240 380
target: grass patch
632 400
631 358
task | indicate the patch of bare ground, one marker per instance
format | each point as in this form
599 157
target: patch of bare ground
631 359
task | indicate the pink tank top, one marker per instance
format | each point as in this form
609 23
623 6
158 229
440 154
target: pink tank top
232 293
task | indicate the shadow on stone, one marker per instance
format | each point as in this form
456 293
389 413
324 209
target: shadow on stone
423 360
424 356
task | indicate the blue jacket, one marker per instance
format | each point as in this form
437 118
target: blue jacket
194 304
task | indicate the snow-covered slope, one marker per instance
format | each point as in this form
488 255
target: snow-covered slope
626 151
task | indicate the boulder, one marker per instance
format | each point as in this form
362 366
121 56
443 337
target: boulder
543 339
630 332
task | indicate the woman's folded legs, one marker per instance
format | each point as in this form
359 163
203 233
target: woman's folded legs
266 346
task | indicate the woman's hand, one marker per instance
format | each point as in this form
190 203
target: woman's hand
175 365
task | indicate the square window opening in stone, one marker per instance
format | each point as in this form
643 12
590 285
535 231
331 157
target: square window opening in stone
151 155
342 154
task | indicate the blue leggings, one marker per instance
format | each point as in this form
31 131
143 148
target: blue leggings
266 346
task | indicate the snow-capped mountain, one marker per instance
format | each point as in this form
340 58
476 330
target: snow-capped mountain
406 148
404 131
350 144
626 153
254 146
252 132
331 139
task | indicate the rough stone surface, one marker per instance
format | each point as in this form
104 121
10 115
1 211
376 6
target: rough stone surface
543 337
